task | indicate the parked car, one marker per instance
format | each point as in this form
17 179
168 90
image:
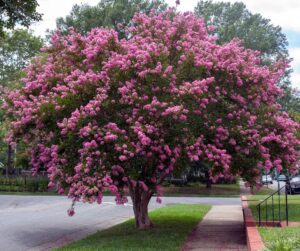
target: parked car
266 179
294 185
281 177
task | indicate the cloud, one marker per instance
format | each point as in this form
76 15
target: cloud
53 9
282 13
295 54
295 77
293 38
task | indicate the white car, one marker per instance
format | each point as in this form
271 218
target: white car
293 186
266 179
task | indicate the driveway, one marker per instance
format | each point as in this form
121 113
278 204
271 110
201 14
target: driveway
275 186
41 222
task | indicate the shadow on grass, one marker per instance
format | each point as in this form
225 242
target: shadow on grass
172 225
217 190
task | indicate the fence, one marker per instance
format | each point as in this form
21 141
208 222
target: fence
23 183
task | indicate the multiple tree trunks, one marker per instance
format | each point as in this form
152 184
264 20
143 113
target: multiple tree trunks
140 200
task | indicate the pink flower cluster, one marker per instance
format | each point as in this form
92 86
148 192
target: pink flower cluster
100 113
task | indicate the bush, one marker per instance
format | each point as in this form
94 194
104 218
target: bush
23 184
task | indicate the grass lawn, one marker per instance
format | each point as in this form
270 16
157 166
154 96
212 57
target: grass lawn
172 225
280 239
293 207
263 191
198 189
275 238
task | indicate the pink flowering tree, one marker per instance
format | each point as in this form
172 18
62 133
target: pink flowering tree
98 112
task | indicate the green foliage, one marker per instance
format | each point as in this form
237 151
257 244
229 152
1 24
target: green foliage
3 146
107 13
200 190
234 20
257 33
15 12
16 50
296 117
290 244
23 184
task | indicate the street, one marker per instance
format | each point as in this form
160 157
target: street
274 186
41 222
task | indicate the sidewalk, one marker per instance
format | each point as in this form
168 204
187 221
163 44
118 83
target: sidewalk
222 229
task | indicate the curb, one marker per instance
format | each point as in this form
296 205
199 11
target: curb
254 241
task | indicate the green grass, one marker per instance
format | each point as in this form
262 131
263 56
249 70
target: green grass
293 207
198 189
172 225
264 191
275 238
281 239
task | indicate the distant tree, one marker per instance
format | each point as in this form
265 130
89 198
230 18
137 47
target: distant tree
16 50
107 13
13 12
3 145
201 167
296 117
234 20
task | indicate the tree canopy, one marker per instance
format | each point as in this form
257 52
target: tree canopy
16 50
15 12
107 13
234 20
17 47
99 112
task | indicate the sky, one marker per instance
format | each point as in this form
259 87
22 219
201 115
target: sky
283 13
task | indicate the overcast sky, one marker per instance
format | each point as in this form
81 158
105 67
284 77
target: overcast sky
283 13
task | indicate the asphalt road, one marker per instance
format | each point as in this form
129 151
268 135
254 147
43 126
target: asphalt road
41 222
274 186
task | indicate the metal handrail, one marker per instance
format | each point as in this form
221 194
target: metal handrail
265 202
272 195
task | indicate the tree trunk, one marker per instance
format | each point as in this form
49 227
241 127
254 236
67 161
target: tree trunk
207 178
9 165
140 201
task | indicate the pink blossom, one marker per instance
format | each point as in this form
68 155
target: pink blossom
71 212
101 113
122 158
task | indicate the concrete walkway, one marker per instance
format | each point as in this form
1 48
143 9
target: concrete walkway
221 229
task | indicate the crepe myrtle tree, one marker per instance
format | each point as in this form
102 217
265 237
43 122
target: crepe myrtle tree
99 112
